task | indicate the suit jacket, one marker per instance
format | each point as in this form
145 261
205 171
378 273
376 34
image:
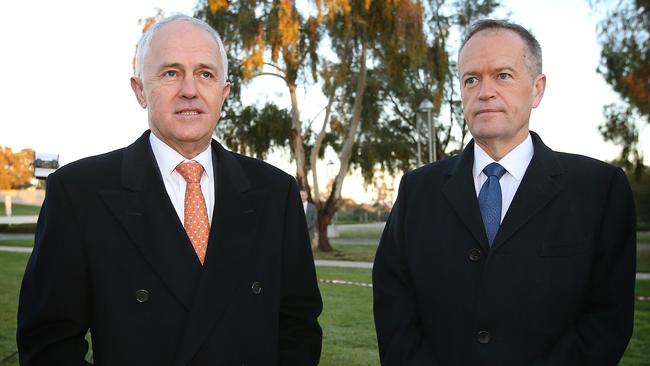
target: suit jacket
310 216
556 288
111 255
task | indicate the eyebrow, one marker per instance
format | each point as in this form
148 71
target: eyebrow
177 65
498 70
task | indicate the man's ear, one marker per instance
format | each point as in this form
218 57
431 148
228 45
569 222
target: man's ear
539 86
226 91
136 85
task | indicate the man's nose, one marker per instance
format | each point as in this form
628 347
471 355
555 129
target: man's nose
486 90
188 87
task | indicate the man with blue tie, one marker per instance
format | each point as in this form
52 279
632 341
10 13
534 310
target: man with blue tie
510 253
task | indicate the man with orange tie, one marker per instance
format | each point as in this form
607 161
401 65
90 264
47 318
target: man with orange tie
173 250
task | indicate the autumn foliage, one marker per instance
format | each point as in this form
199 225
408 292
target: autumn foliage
16 169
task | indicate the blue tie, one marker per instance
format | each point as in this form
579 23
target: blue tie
489 200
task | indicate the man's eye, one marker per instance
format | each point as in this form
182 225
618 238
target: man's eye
206 75
170 73
504 76
471 81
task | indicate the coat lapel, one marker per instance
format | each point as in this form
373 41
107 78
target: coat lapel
536 190
459 191
232 233
145 211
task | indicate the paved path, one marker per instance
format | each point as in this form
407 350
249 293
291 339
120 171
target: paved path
16 237
354 227
346 264
18 219
16 249
348 241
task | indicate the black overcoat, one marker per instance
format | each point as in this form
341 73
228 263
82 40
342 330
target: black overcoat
556 288
111 255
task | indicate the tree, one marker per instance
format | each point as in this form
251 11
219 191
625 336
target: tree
17 168
385 62
624 34
271 38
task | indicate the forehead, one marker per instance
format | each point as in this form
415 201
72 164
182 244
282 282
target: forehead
184 43
493 47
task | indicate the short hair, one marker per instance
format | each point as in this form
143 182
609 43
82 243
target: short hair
534 49
145 41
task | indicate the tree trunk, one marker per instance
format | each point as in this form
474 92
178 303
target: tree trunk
295 138
327 211
323 241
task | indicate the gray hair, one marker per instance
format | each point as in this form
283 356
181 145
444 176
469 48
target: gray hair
145 41
534 49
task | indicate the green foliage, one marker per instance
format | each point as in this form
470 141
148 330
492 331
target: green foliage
255 131
407 73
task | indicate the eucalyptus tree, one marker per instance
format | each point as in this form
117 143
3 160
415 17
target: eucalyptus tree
624 34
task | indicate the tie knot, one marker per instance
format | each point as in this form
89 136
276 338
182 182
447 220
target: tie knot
494 170
191 171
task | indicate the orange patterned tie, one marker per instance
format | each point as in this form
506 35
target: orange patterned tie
196 222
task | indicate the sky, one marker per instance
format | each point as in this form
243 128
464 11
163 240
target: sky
66 67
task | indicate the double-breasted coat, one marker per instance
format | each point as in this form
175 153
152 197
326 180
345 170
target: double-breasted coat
111 255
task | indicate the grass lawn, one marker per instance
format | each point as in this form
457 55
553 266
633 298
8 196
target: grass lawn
16 243
642 261
348 328
19 210
12 266
348 252
639 347
373 233
643 237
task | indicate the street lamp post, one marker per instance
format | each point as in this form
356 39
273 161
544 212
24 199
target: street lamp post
426 108
418 135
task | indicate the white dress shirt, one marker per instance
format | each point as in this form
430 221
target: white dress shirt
168 159
515 162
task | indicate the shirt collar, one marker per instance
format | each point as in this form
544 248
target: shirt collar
515 162
168 158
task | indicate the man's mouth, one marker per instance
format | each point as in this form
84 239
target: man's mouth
489 110
189 112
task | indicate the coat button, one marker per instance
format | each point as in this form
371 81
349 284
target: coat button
475 254
483 337
256 288
142 295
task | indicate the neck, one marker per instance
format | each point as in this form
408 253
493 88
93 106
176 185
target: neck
189 150
498 149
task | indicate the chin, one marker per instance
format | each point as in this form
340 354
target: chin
486 132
